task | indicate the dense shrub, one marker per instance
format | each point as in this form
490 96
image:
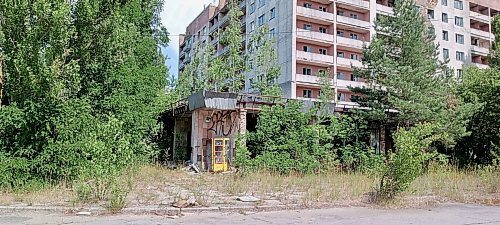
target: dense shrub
286 140
405 165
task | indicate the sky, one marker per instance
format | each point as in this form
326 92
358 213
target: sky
176 16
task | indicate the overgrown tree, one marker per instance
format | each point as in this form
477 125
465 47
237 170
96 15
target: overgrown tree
233 62
405 75
84 81
262 55
481 87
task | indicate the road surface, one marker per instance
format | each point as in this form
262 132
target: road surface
452 214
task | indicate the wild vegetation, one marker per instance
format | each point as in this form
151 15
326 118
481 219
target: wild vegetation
83 83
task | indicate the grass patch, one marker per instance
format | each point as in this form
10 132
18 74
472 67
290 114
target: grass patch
156 185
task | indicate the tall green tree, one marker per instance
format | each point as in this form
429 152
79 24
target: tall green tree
410 88
482 88
405 74
82 79
262 55
117 47
233 61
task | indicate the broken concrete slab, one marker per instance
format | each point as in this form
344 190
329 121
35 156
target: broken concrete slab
248 199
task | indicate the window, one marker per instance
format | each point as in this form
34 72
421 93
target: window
354 36
459 38
308 5
307 48
353 78
252 7
354 56
340 33
340 54
322 30
430 14
341 96
444 17
446 53
321 8
273 13
340 76
262 3
322 51
459 4
261 20
306 71
459 21
252 26
444 2
354 16
340 13
307 26
445 35
272 33
459 73
306 93
460 56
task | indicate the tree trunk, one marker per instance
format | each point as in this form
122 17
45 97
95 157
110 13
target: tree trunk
1 81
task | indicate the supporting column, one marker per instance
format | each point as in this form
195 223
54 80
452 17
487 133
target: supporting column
194 136
242 116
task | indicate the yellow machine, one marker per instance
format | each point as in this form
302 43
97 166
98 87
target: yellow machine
219 154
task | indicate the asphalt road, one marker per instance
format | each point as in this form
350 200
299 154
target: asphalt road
455 214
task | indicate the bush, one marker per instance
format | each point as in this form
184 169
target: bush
359 157
285 140
405 165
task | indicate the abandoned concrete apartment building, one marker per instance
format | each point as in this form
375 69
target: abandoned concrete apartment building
313 36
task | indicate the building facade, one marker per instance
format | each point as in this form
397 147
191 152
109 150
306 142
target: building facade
328 35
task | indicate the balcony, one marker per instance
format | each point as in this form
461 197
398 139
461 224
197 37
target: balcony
314 13
348 42
314 36
345 84
480 33
181 66
309 79
224 20
356 3
243 4
315 57
479 17
348 63
481 66
353 22
386 10
479 50
214 27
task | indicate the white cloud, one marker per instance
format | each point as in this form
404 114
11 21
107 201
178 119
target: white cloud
176 16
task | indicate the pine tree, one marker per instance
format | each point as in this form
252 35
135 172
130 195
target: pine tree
405 74
410 88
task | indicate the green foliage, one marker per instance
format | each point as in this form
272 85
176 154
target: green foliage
84 83
481 88
358 158
285 141
494 57
405 74
405 165
262 55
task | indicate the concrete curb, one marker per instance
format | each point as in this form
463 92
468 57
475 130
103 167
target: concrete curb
166 210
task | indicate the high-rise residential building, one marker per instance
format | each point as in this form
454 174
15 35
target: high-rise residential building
328 35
